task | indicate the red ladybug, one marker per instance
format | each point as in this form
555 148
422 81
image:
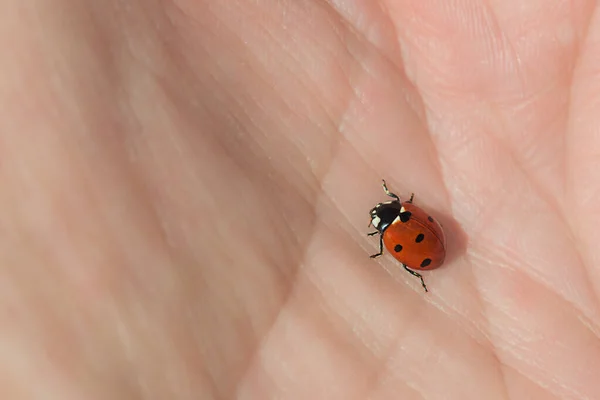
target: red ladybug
412 236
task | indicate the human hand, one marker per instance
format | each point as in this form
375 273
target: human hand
186 188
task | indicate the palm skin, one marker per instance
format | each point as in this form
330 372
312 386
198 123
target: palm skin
190 218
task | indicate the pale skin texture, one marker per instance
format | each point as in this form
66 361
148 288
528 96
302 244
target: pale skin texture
186 186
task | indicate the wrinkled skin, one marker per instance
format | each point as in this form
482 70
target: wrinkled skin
186 185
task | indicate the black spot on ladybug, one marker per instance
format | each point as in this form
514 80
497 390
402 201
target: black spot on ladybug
419 238
426 262
405 216
398 248
430 219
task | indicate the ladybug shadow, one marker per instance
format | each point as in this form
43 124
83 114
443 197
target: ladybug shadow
456 238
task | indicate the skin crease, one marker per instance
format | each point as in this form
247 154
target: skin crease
186 186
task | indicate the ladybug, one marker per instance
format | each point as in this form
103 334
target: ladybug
412 236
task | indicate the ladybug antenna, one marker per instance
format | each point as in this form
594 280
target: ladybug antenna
387 191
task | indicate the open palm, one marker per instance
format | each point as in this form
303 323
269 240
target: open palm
201 205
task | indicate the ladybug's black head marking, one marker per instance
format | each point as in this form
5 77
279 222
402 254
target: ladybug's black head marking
383 214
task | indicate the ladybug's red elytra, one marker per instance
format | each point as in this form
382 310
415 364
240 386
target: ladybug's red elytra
411 235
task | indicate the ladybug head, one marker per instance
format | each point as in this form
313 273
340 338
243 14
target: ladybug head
383 214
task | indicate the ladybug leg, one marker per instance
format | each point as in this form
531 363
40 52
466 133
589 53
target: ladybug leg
418 275
412 196
387 191
380 245
373 233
